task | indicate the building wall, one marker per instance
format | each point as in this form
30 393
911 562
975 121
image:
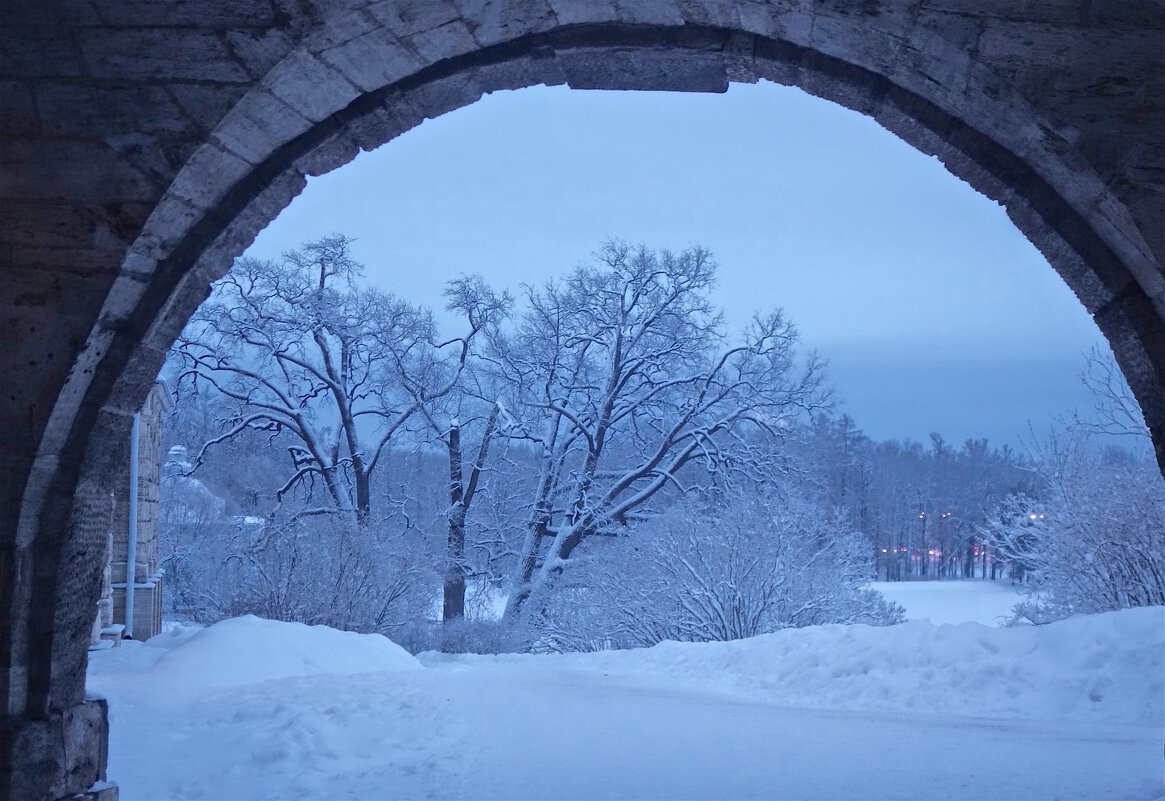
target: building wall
147 575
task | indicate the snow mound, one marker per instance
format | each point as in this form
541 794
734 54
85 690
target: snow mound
1107 667
248 650
1071 710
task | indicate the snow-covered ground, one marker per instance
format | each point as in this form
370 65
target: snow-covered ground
986 602
255 709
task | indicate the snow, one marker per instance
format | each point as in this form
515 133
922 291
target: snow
250 708
986 602
1086 668
250 650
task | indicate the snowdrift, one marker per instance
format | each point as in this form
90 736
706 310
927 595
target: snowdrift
1108 667
253 709
248 650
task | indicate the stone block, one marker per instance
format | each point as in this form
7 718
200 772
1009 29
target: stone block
19 117
260 49
520 73
1048 11
439 97
206 104
267 205
137 379
375 126
650 12
445 41
172 218
37 51
494 21
86 111
36 750
208 14
405 111
790 21
80 569
961 32
711 13
311 87
740 58
172 317
259 124
155 158
340 27
166 53
373 60
869 42
78 260
407 17
336 151
77 171
86 742
52 15
48 223
672 71
208 175
577 12
56 756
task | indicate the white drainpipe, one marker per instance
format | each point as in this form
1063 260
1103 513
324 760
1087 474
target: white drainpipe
132 555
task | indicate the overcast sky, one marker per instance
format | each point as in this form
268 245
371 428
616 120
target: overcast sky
935 313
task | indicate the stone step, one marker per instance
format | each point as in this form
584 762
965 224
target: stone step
113 634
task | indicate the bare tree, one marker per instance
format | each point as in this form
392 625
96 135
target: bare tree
1115 412
624 383
303 350
462 491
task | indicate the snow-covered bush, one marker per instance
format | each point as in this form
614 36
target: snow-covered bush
703 573
459 636
1095 543
314 570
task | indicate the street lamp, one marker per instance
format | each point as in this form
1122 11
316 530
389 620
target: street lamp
922 551
942 536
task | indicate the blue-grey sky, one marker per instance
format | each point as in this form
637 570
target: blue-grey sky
935 313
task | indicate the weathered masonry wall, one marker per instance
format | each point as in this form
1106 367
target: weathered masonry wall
143 144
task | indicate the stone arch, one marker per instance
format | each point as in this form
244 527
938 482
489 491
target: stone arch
947 82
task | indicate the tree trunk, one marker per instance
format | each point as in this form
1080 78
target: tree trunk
454 605
363 496
460 498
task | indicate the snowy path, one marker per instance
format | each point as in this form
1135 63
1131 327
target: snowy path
1072 711
538 733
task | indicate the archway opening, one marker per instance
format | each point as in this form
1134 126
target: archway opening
322 103
823 274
